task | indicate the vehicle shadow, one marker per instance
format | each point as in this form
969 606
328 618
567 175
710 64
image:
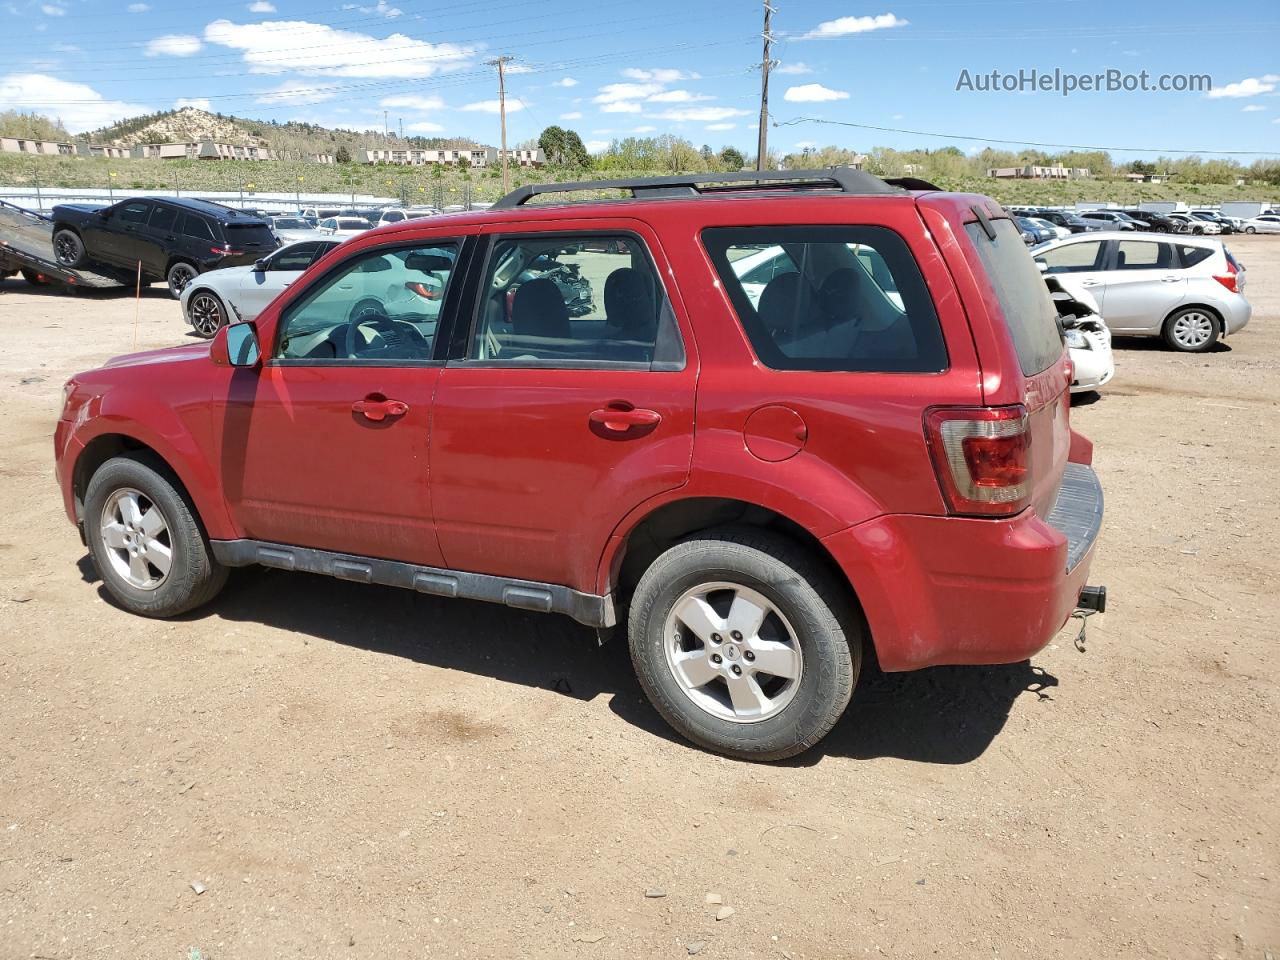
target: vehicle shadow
19 285
1157 345
944 715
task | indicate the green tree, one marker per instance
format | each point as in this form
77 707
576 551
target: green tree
732 159
342 154
551 141
575 150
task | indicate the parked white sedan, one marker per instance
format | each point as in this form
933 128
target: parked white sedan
1266 223
219 297
1188 290
343 227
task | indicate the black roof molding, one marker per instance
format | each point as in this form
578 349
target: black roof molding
700 184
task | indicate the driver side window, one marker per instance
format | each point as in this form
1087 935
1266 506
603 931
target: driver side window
380 306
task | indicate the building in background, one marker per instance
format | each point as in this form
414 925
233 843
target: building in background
44 148
475 157
201 150
1033 172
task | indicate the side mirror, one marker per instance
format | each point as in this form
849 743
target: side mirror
235 346
261 265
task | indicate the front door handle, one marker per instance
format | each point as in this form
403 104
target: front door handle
1170 279
620 417
1088 283
376 407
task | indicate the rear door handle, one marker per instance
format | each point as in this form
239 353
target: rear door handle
617 418
376 407
1170 279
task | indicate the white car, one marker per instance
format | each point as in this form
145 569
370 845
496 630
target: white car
292 229
1188 290
343 226
1195 225
1058 231
1088 339
219 297
1266 223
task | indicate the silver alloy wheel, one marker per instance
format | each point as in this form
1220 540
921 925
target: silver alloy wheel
67 248
732 652
136 537
180 274
1193 329
206 313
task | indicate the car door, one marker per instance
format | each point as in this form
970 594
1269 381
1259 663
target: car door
1084 260
159 237
118 239
567 400
259 287
325 444
1142 285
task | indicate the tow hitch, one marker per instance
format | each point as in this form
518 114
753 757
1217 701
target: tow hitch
1092 600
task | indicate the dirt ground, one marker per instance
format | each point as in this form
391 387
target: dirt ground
360 772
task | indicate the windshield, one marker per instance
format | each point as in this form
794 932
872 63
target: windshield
291 223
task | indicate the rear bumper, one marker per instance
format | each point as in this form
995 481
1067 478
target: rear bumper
1235 315
955 590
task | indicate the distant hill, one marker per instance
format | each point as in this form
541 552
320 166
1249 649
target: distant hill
291 140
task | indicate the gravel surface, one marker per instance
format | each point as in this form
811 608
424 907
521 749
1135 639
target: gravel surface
313 768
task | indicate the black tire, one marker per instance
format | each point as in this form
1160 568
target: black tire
206 312
827 630
1181 341
68 248
1250 229
194 576
35 279
179 274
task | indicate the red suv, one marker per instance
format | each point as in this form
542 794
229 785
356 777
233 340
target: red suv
768 421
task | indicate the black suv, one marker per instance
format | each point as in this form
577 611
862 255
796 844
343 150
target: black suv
172 239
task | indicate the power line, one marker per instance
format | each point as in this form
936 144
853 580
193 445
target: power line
1022 143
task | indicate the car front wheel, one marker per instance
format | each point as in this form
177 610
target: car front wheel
146 542
206 313
1250 229
1191 330
179 275
68 248
745 644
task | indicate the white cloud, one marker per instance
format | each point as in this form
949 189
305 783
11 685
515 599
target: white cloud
409 101
1253 108
615 92
77 105
200 103
380 9
515 68
262 6
292 91
677 96
700 114
53 10
795 68
275 46
565 82
662 76
813 93
847 26
622 106
572 115
424 126
1248 87
174 45
721 126
644 128
492 106
596 146
138 7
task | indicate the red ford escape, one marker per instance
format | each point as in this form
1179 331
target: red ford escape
764 421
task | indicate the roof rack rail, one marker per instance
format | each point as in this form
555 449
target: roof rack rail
693 185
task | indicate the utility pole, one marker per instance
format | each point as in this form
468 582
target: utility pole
385 136
762 149
501 64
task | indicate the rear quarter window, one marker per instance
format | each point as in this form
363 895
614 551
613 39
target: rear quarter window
1023 297
842 298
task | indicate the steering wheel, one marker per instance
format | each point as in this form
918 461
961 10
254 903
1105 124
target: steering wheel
398 337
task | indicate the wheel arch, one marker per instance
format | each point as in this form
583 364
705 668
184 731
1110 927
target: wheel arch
1197 305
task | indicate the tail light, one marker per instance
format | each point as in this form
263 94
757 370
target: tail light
225 251
422 290
1228 279
982 456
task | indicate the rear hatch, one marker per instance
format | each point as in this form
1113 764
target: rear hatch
1037 367
251 237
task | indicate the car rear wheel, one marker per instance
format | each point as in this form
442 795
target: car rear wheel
744 644
146 542
1191 330
68 248
1250 229
206 313
179 275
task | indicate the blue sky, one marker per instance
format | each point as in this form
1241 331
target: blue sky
614 68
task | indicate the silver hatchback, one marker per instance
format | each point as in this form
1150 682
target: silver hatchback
1188 290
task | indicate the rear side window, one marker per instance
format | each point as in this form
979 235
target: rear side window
196 227
163 218
829 298
1024 299
1143 255
1192 255
251 236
